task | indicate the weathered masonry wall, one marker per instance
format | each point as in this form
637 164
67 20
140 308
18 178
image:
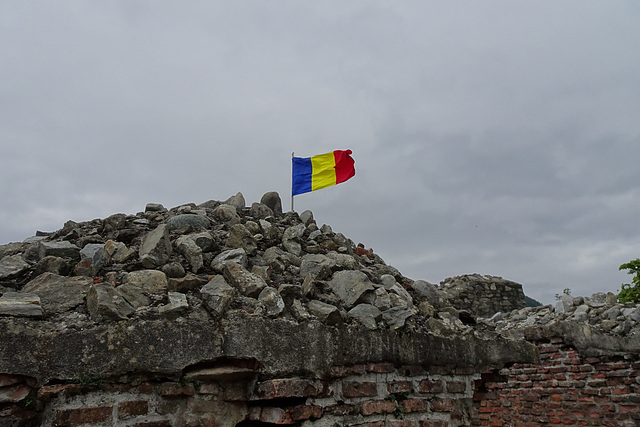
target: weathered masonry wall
362 395
564 388
585 376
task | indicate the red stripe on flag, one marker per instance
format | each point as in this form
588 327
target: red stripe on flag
345 168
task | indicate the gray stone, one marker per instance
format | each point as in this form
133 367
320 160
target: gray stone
289 293
12 266
279 260
326 313
430 292
62 249
238 256
155 249
204 240
298 311
395 317
154 207
174 270
58 293
236 201
272 301
115 222
177 304
95 255
366 314
388 281
105 303
381 299
260 210
272 201
247 283
402 293
185 284
118 252
14 248
150 281
192 222
226 213
307 217
350 285
191 251
564 304
20 305
241 238
217 295
52 264
598 299
344 261
134 295
291 239
317 265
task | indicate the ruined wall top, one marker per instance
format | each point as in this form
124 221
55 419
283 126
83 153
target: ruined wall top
173 288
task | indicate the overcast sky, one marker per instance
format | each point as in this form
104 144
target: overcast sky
492 137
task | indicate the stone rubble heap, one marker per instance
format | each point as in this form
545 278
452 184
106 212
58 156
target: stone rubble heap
205 260
601 311
483 295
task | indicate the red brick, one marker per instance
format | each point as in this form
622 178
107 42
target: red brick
378 407
73 417
380 368
400 387
415 405
342 371
161 423
48 392
287 387
431 386
412 370
442 405
401 423
456 386
133 408
176 389
434 423
305 412
359 389
369 424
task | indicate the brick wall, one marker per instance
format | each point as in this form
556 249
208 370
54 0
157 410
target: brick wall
371 395
563 389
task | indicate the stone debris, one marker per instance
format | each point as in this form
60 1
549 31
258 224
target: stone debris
223 256
601 311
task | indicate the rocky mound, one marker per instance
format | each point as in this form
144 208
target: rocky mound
207 260
601 311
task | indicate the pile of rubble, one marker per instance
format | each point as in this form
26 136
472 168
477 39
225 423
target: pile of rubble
601 311
206 260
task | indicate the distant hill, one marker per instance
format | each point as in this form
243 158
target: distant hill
531 302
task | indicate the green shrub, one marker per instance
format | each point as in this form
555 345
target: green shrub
630 292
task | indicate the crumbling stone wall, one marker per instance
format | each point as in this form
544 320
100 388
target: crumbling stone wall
483 295
220 314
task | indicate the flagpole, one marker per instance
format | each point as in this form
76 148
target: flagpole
292 153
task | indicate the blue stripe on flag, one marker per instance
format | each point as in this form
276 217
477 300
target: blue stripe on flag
302 170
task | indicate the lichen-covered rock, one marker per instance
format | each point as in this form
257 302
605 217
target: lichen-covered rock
20 304
58 293
155 249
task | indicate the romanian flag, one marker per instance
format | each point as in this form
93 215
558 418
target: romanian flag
323 170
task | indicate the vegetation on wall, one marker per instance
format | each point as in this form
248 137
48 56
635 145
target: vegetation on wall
630 292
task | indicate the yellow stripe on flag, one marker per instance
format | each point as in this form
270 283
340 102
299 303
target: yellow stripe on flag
324 173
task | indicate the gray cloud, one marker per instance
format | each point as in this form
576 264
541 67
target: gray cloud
498 138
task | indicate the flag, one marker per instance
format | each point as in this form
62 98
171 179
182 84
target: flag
321 171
